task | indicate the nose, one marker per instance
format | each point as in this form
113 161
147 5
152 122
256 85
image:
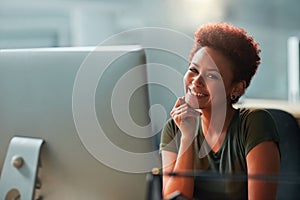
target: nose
198 80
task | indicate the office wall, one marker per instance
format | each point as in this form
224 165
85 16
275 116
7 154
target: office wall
272 23
45 23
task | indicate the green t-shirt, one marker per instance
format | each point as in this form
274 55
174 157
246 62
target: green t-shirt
248 128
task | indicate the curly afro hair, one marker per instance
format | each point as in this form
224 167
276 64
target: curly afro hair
232 42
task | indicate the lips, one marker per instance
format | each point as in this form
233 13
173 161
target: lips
197 94
195 99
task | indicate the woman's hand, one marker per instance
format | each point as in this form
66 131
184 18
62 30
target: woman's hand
185 117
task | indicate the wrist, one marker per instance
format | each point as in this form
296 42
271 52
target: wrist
187 140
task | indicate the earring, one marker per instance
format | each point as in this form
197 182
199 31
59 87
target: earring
233 97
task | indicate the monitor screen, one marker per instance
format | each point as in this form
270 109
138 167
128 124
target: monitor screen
90 105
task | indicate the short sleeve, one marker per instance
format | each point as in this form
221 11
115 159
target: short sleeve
170 137
259 126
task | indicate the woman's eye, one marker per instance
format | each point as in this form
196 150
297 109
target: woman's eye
212 76
193 70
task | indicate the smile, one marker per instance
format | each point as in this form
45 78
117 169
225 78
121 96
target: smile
198 94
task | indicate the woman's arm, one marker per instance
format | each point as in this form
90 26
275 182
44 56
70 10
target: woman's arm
186 120
263 159
178 163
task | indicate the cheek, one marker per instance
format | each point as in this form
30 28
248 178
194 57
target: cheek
186 80
217 89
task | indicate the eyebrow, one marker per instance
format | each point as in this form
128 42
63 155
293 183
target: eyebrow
210 69
193 63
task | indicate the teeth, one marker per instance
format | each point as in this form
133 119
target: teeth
197 94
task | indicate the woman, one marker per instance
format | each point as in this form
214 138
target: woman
207 134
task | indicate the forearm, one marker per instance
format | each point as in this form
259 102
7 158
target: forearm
186 119
184 163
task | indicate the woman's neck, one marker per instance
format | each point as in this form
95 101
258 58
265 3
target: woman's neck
215 125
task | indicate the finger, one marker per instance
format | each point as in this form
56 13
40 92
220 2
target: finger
184 112
178 102
179 109
187 109
188 113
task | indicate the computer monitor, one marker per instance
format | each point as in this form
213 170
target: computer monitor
90 106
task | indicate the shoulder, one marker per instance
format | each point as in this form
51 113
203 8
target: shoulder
257 115
170 136
170 126
246 112
256 126
169 131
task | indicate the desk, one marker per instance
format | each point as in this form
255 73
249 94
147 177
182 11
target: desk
291 107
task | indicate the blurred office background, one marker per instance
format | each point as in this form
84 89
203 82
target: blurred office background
45 23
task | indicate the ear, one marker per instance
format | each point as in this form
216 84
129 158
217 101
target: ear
239 88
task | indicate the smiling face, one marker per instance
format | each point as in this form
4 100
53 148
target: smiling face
208 80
